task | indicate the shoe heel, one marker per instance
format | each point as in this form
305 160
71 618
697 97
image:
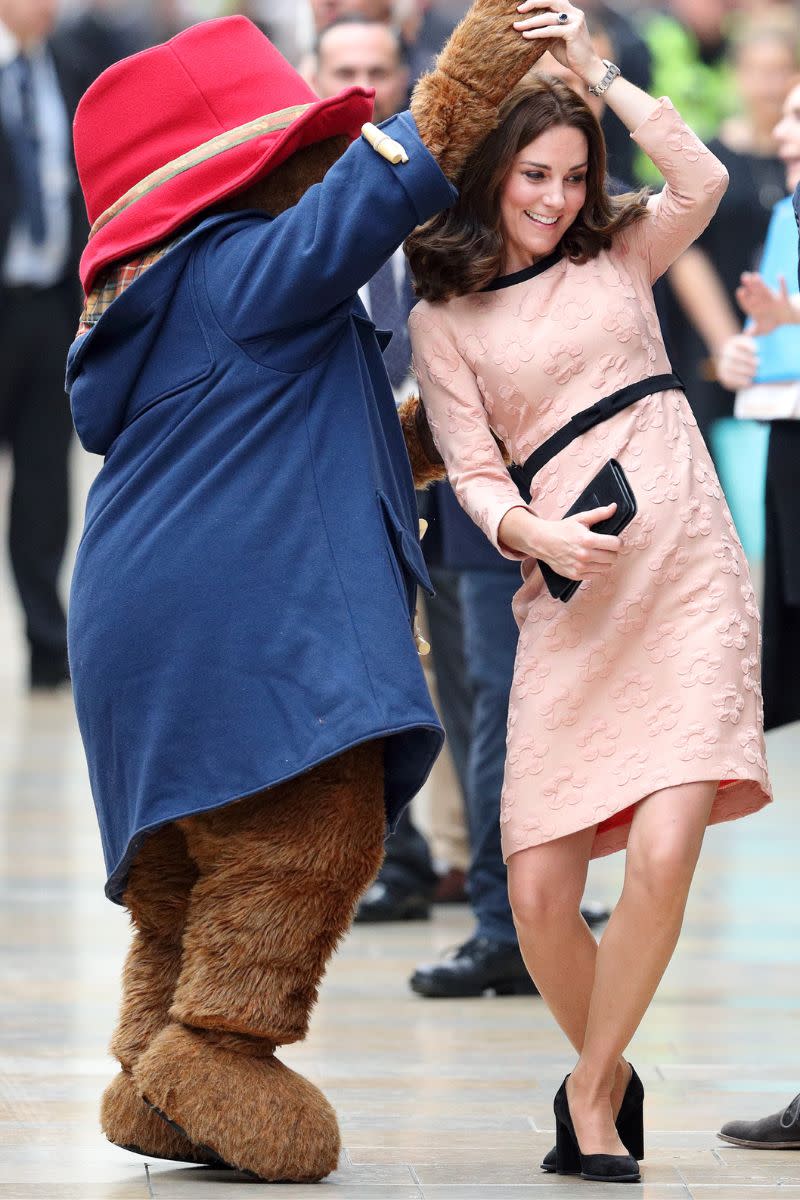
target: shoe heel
630 1123
632 1135
568 1159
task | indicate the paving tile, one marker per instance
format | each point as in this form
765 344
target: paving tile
23 1189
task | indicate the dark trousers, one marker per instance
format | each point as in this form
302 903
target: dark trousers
474 636
490 646
36 328
408 865
781 650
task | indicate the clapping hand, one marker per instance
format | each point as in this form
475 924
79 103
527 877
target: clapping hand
767 309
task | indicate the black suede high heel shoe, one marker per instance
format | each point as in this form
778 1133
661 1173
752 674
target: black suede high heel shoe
630 1123
601 1168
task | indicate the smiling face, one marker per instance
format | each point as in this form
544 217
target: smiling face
542 195
787 135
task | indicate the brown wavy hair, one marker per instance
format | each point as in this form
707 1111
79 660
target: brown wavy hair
461 250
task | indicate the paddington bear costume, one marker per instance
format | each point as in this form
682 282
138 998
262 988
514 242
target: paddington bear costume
241 645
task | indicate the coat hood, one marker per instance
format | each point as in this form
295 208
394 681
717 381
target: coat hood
106 367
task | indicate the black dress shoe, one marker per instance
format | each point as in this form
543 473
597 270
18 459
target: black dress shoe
382 902
781 1131
601 1168
477 967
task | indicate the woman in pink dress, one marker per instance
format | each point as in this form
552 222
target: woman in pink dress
635 716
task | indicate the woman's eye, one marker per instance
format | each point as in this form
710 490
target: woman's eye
577 179
534 175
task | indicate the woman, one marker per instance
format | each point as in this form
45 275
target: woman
767 354
635 715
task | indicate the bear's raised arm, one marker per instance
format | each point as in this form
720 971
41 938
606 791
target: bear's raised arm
328 240
455 106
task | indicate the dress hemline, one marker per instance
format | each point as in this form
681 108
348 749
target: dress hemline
612 831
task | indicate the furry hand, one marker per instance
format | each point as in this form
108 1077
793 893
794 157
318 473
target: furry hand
427 466
455 106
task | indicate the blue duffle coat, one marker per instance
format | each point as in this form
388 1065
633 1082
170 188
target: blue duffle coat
242 600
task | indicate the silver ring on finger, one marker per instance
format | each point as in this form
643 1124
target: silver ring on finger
563 18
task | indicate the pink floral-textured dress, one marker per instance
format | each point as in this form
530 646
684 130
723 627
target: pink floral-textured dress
651 677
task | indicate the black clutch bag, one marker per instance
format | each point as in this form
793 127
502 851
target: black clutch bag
609 486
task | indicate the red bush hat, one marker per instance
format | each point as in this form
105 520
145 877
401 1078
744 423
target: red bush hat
167 132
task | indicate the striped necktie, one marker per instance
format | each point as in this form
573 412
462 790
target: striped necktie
23 136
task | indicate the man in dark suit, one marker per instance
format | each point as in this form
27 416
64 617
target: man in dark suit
42 233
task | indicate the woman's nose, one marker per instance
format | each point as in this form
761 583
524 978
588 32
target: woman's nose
554 198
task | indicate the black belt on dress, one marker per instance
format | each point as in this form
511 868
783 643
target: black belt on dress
587 418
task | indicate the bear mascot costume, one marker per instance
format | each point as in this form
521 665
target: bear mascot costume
241 638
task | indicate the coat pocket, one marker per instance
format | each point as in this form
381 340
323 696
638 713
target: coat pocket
405 554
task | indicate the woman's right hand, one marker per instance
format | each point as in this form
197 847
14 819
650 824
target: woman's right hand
737 362
569 546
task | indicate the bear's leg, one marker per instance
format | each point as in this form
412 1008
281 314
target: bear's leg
156 898
279 877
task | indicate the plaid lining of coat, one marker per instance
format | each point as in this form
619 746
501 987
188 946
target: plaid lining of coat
115 281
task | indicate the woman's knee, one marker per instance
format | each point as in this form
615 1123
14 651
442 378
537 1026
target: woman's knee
541 899
662 871
546 882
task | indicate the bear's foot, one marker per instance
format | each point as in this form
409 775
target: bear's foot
129 1122
251 1111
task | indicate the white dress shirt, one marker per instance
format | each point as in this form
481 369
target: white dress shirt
25 262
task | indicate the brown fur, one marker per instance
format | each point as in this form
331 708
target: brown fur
156 897
129 1122
419 444
289 182
279 876
251 1110
455 106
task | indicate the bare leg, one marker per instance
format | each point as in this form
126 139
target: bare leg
663 848
546 884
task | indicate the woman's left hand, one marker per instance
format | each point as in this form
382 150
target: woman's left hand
566 26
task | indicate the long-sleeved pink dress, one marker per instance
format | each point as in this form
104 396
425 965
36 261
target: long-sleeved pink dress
649 678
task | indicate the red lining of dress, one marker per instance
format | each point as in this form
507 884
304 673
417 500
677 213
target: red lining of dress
624 815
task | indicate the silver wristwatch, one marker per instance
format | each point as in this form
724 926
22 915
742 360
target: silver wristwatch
612 71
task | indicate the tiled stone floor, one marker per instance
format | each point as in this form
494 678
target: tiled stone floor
437 1099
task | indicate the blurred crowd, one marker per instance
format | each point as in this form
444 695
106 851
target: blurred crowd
729 66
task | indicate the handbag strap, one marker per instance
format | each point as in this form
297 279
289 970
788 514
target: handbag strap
587 418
